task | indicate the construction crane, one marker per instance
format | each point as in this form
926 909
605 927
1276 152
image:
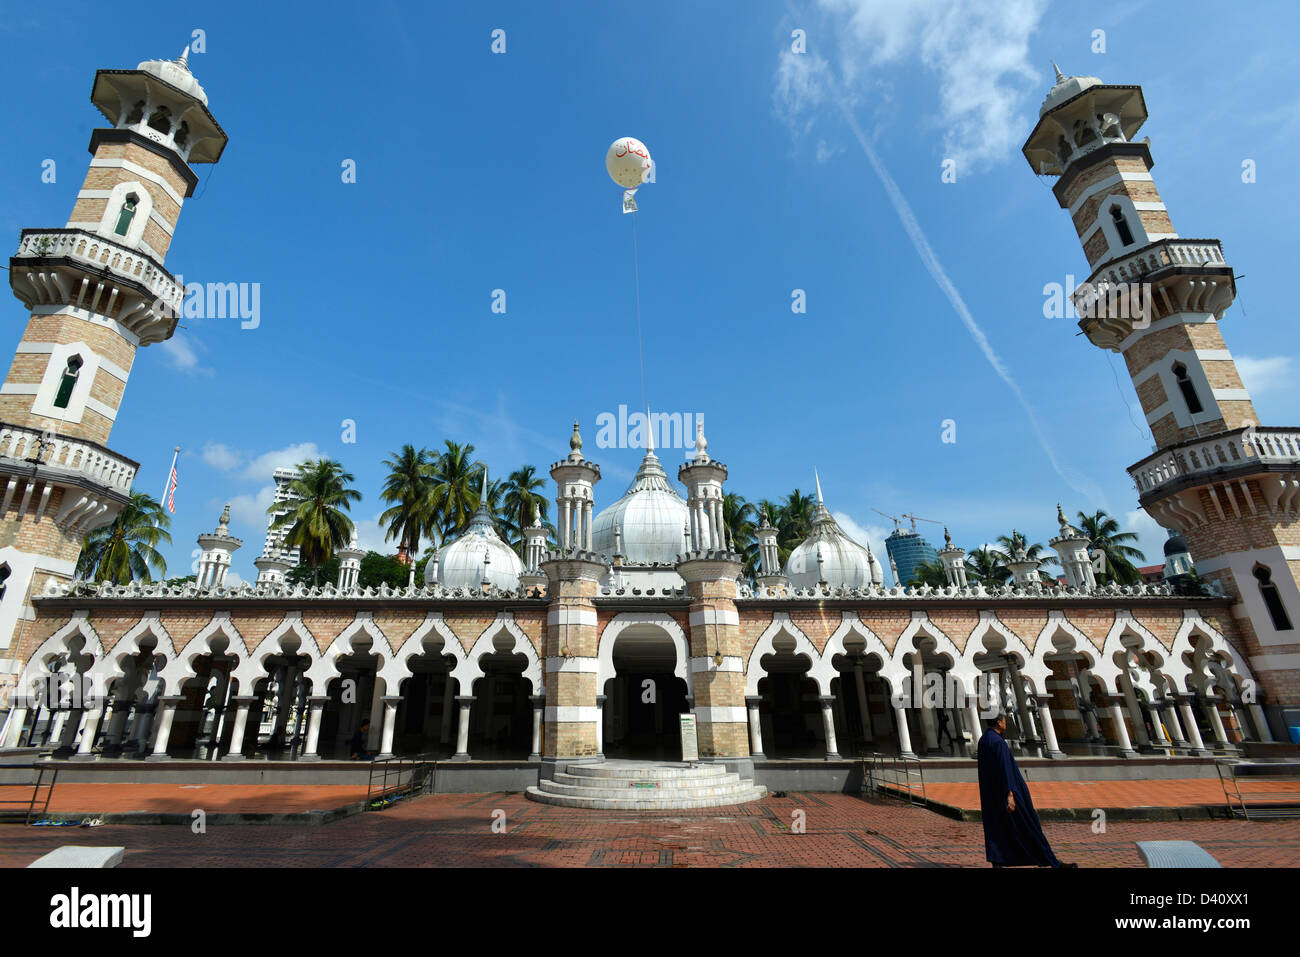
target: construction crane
918 518
892 518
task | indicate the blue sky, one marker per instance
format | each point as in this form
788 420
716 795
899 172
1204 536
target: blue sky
479 171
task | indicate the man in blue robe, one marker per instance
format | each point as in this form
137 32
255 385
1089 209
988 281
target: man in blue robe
1013 837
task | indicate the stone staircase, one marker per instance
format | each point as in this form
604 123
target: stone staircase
645 786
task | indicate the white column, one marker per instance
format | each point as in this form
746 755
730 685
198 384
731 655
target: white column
828 720
586 523
90 726
1121 731
390 725
242 706
1135 709
755 728
1261 723
462 728
1172 725
168 704
316 704
1216 722
1190 727
973 716
565 540
928 729
601 718
538 702
904 735
1049 729
13 727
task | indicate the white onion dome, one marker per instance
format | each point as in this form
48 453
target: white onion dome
829 555
650 518
478 555
176 73
1066 88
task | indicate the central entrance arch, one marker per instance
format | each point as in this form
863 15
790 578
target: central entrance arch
644 680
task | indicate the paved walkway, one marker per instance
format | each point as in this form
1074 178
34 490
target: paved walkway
1171 793
500 830
212 798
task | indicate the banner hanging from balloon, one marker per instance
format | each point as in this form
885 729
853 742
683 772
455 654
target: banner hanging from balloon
628 163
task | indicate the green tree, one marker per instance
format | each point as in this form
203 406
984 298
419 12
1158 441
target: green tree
793 522
984 567
127 548
1104 533
1036 550
409 490
524 493
929 573
377 569
315 507
741 518
456 480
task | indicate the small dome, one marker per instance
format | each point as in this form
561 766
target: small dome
176 73
844 563
460 564
1066 88
1175 545
651 518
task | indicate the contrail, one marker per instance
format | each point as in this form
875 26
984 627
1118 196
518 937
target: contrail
940 276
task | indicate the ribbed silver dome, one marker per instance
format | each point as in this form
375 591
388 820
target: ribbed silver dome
460 564
1066 88
176 73
845 563
651 518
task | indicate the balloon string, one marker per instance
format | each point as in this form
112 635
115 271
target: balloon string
636 285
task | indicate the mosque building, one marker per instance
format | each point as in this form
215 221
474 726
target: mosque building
529 671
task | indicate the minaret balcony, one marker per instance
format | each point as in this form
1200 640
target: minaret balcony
55 267
25 450
1166 277
1217 458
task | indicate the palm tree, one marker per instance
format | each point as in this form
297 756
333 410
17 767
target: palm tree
521 499
127 548
1104 533
1032 551
738 516
929 573
409 488
984 567
314 511
456 480
794 522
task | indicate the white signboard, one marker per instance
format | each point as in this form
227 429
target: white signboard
690 744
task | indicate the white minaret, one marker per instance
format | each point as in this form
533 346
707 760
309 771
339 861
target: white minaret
1024 570
575 482
953 558
271 567
1072 545
769 555
703 478
217 547
350 564
534 549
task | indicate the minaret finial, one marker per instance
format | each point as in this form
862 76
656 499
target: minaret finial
184 59
649 433
947 539
482 495
818 482
575 443
1059 75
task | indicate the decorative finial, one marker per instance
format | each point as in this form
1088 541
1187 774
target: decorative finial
184 59
1060 77
817 480
575 443
1060 518
537 515
225 515
947 539
701 443
482 495
649 433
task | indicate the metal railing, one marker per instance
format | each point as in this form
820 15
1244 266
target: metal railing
27 804
392 779
894 776
1246 801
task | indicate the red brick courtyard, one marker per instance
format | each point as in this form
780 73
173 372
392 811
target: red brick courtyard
838 830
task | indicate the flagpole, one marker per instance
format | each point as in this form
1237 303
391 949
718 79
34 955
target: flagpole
167 484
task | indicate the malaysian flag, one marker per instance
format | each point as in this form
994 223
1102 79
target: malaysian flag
172 482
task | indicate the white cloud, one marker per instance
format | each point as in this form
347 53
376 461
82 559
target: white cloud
1151 536
257 468
1264 374
246 510
873 535
978 51
370 536
180 355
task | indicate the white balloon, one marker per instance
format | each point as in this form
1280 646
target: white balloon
628 162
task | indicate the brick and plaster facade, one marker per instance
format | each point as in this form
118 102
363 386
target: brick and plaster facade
1229 485
96 291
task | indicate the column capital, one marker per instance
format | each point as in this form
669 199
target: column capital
538 700
464 701
316 700
391 701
